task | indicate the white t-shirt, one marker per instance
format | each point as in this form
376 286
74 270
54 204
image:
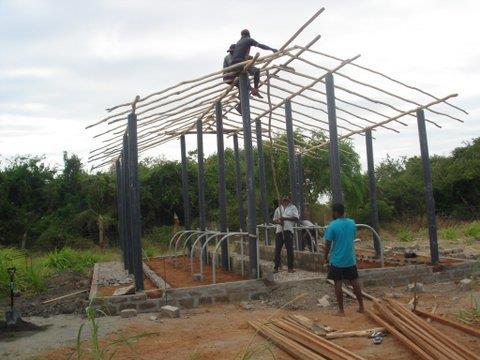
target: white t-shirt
290 211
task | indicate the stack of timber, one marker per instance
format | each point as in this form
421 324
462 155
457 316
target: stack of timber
302 339
417 334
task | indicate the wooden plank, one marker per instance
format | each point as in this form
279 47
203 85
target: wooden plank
64 296
358 333
465 328
402 338
335 351
289 346
435 334
422 338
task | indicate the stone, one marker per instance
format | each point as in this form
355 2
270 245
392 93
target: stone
393 295
269 276
466 284
246 305
153 318
197 277
324 301
171 311
418 287
127 290
128 313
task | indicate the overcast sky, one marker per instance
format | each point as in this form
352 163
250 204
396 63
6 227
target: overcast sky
63 62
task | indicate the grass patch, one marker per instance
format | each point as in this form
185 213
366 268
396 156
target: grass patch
471 315
32 269
405 235
451 233
472 230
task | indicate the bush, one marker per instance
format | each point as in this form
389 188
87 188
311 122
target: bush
160 235
472 230
81 261
405 235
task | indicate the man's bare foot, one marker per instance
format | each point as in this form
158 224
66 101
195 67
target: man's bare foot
361 310
340 313
256 93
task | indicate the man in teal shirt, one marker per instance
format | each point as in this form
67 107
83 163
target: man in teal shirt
339 243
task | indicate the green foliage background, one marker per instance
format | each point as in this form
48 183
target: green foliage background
47 208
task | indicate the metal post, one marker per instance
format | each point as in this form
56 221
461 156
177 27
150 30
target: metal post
427 180
262 177
247 146
185 197
201 183
372 188
121 220
301 195
135 201
334 158
222 196
128 208
291 152
238 183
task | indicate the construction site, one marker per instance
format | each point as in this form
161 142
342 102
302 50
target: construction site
221 293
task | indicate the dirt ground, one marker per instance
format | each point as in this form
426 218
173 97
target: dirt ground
222 331
180 275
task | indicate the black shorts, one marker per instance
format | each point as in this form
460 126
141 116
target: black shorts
342 273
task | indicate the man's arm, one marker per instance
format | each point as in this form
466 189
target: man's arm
261 46
328 244
276 217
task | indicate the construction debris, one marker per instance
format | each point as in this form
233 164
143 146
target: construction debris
324 301
171 311
246 305
128 313
415 287
421 338
64 296
466 284
300 341
127 290
358 333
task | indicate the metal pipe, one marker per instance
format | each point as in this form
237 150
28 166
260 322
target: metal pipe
291 152
135 204
128 207
222 196
261 175
375 234
372 188
204 246
247 138
201 178
427 180
214 259
185 197
238 183
334 156
301 195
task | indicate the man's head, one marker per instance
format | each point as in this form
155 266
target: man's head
231 48
286 200
245 33
338 211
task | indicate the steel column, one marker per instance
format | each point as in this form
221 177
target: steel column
301 195
427 180
261 176
238 184
135 201
292 172
128 207
121 220
222 196
372 188
248 149
334 156
201 183
185 197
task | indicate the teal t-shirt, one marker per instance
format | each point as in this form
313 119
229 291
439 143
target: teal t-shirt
341 232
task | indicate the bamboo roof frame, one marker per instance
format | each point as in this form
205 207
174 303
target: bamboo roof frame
293 73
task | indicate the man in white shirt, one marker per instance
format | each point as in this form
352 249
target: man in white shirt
285 216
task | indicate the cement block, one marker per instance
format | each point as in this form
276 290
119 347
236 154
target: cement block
128 313
170 311
127 290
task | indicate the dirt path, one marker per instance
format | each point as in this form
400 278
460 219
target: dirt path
222 331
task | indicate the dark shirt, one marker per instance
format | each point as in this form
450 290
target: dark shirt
228 60
242 48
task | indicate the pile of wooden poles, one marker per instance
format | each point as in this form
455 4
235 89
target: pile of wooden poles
298 336
417 334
